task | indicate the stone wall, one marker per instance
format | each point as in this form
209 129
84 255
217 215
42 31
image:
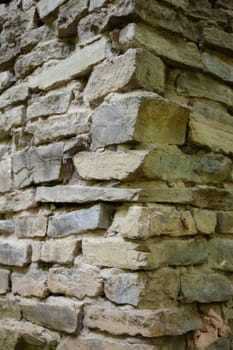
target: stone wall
116 192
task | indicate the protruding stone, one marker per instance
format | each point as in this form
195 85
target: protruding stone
15 94
15 253
4 281
215 37
59 251
17 201
137 68
46 8
6 80
31 225
218 66
33 283
11 119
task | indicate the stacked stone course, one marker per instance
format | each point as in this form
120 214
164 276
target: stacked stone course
116 175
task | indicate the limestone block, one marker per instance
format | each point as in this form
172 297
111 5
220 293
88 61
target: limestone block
4 281
17 201
172 48
6 80
81 281
15 94
217 66
137 68
218 38
94 4
9 309
124 117
69 15
15 253
150 254
33 283
11 118
47 105
79 221
57 313
59 251
46 8
212 198
220 254
76 65
44 52
214 132
206 288
7 227
141 222
31 225
205 220
58 127
5 175
31 38
7 56
148 323
225 222
145 290
199 85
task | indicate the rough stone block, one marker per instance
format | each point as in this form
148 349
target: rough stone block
205 220
211 197
137 68
15 253
46 8
11 119
225 222
76 65
33 283
8 56
144 290
6 80
96 217
5 175
206 288
59 251
17 201
15 94
58 127
125 115
81 281
220 254
31 225
7 227
171 48
47 105
9 309
31 38
4 281
56 313
215 37
148 323
217 66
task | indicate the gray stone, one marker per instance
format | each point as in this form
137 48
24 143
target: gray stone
81 281
15 94
47 105
206 288
217 66
9 309
215 37
6 80
137 68
56 313
46 8
31 225
31 38
5 175
76 65
225 222
58 127
75 222
220 254
15 253
33 283
148 323
7 56
17 201
94 4
4 281
59 251
122 118
7 227
10 119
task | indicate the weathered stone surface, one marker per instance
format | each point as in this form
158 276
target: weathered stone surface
94 4
11 118
21 334
47 105
44 52
81 281
17 201
9 308
7 227
212 198
15 94
80 221
213 131
178 3
141 222
31 225
56 313
143 255
46 8
33 283
217 66
5 175
69 15
15 253
59 251
42 164
6 80
4 281
58 127
137 68
206 288
76 65
148 323
205 220
199 85
8 55
144 290
218 38
220 254
174 49
31 38
225 222
125 115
